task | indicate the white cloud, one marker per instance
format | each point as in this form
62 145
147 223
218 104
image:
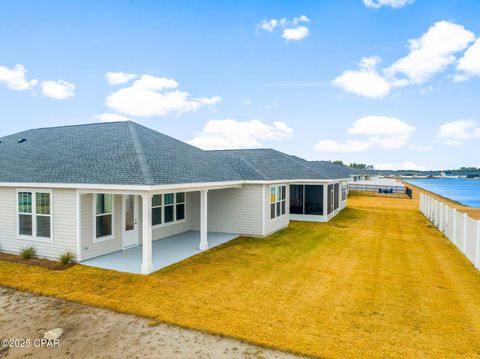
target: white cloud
291 29
14 78
153 96
295 34
406 166
58 90
393 3
457 132
269 25
230 134
347 146
432 52
111 117
366 81
377 132
117 78
429 55
470 62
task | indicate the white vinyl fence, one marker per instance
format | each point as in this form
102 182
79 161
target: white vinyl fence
459 228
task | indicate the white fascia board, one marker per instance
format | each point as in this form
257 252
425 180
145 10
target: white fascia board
187 187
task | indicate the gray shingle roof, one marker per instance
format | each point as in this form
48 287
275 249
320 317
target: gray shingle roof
333 170
106 153
131 154
269 164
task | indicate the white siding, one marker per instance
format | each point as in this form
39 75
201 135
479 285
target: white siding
64 224
233 210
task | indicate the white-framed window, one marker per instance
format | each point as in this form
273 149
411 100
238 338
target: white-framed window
34 214
103 216
168 208
277 201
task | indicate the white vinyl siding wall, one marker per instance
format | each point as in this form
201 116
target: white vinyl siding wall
63 211
233 210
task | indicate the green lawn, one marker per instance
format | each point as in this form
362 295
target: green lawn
377 281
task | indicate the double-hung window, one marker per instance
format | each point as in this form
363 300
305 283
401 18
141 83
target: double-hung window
168 208
277 201
103 216
34 214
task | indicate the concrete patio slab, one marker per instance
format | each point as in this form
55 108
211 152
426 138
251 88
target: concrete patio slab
165 252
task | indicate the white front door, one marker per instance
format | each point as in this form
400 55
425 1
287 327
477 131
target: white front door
130 221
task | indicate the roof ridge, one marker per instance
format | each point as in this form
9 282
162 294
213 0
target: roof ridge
142 160
253 167
294 158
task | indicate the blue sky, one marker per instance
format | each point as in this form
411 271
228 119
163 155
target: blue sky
394 83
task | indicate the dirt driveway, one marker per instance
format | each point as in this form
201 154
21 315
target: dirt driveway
99 333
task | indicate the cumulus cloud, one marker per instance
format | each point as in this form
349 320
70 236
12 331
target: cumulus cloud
292 30
117 78
376 132
393 3
432 52
111 117
469 64
457 132
366 81
58 90
405 166
295 34
15 78
155 96
231 134
429 55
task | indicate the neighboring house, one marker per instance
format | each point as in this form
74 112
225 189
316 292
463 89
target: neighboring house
105 187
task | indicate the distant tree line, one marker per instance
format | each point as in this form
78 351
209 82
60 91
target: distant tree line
360 166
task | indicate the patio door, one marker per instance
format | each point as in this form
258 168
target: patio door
130 221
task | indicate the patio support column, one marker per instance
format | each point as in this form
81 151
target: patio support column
147 265
325 201
203 219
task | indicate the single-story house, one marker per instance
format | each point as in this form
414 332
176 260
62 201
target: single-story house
106 188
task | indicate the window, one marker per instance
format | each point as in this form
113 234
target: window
277 201
34 214
306 199
330 198
168 208
103 216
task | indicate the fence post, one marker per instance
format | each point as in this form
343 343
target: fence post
454 226
440 219
477 256
464 244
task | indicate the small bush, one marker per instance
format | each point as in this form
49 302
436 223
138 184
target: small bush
28 252
66 257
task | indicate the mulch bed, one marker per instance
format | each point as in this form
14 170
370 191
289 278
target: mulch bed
38 262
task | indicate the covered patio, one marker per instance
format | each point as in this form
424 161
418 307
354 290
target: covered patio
165 252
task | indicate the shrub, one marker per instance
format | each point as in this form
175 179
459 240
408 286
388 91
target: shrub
66 257
28 252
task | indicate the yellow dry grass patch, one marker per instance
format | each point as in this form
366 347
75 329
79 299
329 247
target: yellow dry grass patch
378 281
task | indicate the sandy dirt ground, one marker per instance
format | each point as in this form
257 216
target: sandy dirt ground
99 333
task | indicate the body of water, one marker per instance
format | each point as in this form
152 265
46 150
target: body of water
464 191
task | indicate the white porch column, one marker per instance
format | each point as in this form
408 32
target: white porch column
203 219
147 265
325 201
